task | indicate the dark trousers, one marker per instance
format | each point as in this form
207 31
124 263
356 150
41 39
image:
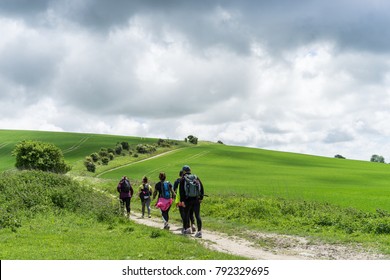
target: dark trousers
183 210
126 201
165 214
192 205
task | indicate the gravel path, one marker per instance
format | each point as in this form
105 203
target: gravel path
277 246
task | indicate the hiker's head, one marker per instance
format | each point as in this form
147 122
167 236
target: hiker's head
124 178
144 179
186 169
162 176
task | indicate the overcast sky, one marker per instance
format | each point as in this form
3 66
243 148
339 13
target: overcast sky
306 76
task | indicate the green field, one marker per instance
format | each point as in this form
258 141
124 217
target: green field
332 199
238 170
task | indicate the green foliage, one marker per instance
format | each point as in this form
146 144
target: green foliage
192 139
90 164
118 149
302 217
36 155
377 158
95 157
125 145
166 143
30 192
145 148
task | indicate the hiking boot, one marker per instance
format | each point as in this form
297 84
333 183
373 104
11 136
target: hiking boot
166 226
198 234
193 229
149 216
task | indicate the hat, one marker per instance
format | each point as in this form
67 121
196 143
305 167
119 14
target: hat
186 168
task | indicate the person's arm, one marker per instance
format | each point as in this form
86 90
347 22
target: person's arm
201 190
172 191
155 191
131 191
182 192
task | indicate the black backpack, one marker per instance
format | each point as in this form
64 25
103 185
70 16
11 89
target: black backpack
125 186
145 192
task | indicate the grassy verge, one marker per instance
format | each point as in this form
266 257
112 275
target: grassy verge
48 216
317 220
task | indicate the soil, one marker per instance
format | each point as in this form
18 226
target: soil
269 246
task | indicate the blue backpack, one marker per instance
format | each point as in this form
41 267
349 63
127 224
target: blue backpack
165 192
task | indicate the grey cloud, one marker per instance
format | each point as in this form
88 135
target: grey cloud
337 136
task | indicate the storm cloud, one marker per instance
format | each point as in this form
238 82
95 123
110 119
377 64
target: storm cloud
300 76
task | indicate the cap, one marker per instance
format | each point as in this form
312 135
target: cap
186 168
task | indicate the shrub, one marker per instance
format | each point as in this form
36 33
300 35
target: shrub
145 148
95 157
125 145
118 149
27 193
36 155
105 160
192 139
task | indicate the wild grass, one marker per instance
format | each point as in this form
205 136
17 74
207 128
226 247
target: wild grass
331 199
49 216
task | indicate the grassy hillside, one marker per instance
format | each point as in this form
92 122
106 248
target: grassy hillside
75 146
229 169
252 172
327 198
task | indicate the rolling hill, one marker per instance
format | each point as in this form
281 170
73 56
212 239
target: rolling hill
232 170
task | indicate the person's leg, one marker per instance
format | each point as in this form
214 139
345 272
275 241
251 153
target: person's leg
128 205
186 222
147 202
143 207
198 219
192 220
182 213
165 215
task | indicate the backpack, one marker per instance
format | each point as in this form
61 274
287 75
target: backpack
125 186
145 193
191 186
165 192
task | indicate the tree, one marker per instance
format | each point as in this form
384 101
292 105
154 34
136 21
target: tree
192 139
125 145
377 158
339 156
40 156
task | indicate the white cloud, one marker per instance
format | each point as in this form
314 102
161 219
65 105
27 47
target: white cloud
293 77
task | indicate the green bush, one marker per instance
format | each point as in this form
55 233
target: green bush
36 155
145 148
26 193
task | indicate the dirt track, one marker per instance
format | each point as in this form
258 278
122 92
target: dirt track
277 247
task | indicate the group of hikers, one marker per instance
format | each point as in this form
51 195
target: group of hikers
186 193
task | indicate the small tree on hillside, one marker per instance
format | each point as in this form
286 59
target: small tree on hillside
192 139
39 156
339 156
376 158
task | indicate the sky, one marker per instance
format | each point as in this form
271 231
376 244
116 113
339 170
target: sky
299 76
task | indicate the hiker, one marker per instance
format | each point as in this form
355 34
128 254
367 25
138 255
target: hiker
180 206
165 193
145 193
125 193
191 195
